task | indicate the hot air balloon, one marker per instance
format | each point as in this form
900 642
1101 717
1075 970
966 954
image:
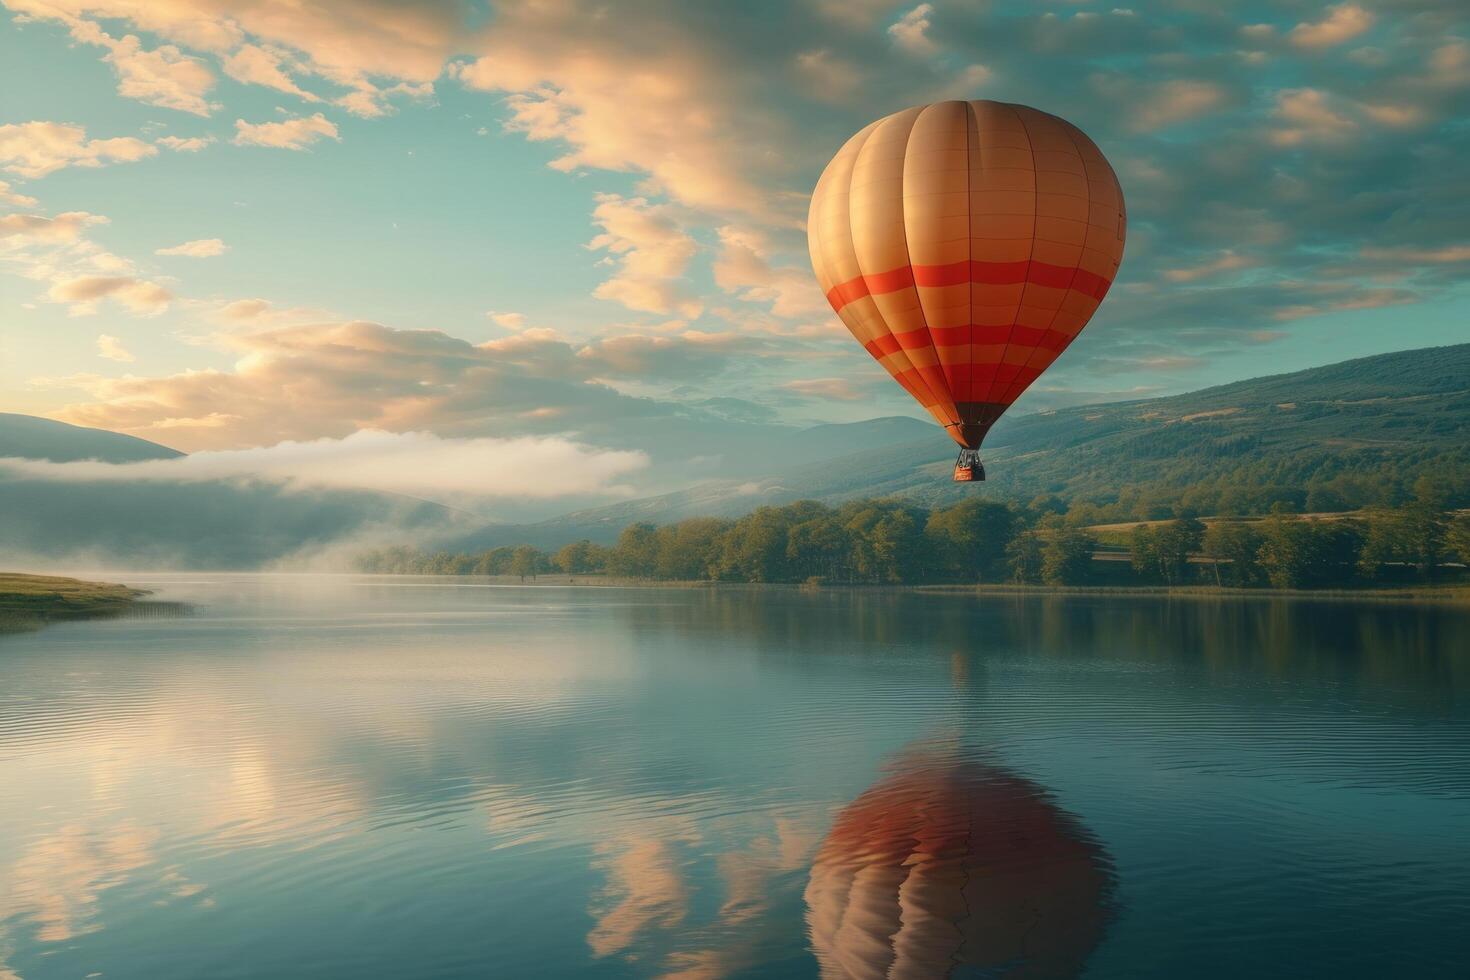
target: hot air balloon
953 867
965 245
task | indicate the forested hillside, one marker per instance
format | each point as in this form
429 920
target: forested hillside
1336 438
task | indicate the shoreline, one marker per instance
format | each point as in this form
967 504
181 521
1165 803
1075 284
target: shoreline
29 602
1456 594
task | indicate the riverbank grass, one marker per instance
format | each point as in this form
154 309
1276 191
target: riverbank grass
30 601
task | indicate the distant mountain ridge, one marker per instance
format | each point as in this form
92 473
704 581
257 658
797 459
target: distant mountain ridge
1406 410
1316 437
30 437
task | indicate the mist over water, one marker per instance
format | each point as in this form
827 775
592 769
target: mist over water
334 776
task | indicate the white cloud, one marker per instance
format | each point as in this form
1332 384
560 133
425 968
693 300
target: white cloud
667 103
255 65
832 389
829 77
1228 261
317 380
65 227
1308 115
199 248
15 199
417 463
1342 23
112 348
35 149
291 134
138 296
185 144
911 32
743 267
1445 254
163 77
510 321
1148 107
343 42
651 253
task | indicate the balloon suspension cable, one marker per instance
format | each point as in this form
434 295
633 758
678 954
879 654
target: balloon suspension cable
967 468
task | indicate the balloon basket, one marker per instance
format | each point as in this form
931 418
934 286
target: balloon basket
967 468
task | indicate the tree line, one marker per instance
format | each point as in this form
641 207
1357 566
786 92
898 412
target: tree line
984 541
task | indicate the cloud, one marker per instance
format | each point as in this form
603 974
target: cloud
65 227
345 43
652 94
14 198
138 296
163 77
35 149
111 348
743 267
1342 23
1307 115
255 65
199 248
185 144
1227 262
830 77
291 134
650 253
1149 107
911 32
244 309
1447 254
318 380
510 321
415 463
832 389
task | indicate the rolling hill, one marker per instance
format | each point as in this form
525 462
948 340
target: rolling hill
29 437
1324 438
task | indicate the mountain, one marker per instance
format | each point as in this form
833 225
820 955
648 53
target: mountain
29 437
1327 438
51 517
63 517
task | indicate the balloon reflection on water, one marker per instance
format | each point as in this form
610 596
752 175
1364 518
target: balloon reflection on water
951 866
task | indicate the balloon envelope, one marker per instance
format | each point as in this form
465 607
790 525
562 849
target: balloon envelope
965 245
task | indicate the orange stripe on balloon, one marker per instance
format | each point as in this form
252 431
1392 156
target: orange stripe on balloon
1015 377
960 336
971 271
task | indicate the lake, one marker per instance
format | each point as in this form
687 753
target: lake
417 777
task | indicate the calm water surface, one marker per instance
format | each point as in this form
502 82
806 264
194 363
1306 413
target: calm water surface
367 777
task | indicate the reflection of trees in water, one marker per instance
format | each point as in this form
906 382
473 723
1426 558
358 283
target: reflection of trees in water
951 866
1359 645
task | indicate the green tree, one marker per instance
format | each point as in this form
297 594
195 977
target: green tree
525 561
1176 541
1457 538
1143 552
818 548
969 540
580 557
688 550
636 553
754 548
887 539
1298 553
496 561
1066 555
1233 544
1023 557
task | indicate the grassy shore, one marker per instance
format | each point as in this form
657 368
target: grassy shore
1458 592
31 601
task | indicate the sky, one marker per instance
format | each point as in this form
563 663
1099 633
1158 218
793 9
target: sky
233 225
